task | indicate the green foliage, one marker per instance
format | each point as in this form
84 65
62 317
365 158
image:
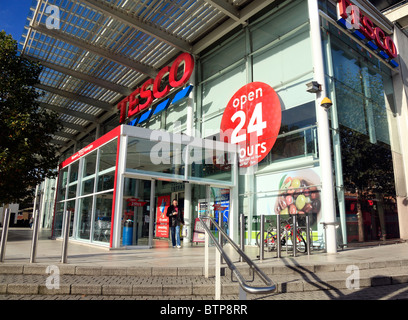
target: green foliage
27 156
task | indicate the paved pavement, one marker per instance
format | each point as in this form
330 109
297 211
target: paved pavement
372 272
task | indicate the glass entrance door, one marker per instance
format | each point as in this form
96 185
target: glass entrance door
136 212
219 208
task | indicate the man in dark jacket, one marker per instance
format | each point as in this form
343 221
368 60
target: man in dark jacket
175 217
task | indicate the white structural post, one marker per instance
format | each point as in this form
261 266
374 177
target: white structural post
323 130
187 186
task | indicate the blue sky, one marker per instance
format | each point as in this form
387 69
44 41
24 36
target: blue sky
13 16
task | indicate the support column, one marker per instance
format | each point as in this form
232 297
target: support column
323 130
187 186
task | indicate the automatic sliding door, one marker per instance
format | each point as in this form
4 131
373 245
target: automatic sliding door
136 212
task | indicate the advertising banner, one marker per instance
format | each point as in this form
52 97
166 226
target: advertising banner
162 221
199 232
252 120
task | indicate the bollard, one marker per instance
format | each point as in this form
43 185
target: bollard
35 237
66 237
278 236
4 234
294 234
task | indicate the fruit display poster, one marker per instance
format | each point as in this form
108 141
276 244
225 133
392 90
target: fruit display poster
292 192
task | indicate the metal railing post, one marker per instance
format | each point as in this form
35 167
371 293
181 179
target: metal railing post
270 287
4 234
66 237
242 235
35 237
217 275
278 236
308 234
294 234
261 247
206 253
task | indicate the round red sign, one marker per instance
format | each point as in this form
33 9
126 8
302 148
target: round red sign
252 120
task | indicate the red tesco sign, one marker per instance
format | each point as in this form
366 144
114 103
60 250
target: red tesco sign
348 11
150 89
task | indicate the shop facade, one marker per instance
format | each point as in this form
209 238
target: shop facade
254 80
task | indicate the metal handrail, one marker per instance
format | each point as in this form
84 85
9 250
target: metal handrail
270 287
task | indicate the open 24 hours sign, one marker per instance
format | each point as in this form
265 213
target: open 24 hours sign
252 119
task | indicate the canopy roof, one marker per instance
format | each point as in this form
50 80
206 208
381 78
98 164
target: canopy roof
105 48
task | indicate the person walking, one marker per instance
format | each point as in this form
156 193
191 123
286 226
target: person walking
175 218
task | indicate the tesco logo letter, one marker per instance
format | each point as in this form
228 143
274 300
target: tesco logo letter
150 89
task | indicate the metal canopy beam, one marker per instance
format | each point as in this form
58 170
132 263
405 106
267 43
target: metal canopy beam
73 113
73 126
225 8
83 76
65 135
117 58
229 25
132 21
73 96
58 142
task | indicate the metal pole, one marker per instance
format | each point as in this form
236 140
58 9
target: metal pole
35 237
278 236
66 237
206 252
242 233
294 229
261 247
220 237
4 234
308 234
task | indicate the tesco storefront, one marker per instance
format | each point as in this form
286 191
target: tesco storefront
258 147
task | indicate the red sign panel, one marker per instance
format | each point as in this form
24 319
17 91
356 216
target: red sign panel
162 221
134 202
252 120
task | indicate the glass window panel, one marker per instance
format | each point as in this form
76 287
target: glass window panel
106 181
62 182
285 70
154 156
84 218
169 158
87 186
71 208
103 217
72 191
58 219
350 106
215 96
286 19
89 164
230 52
107 155
73 175
176 117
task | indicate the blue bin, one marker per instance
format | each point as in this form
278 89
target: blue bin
127 235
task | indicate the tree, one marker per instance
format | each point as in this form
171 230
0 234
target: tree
27 155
